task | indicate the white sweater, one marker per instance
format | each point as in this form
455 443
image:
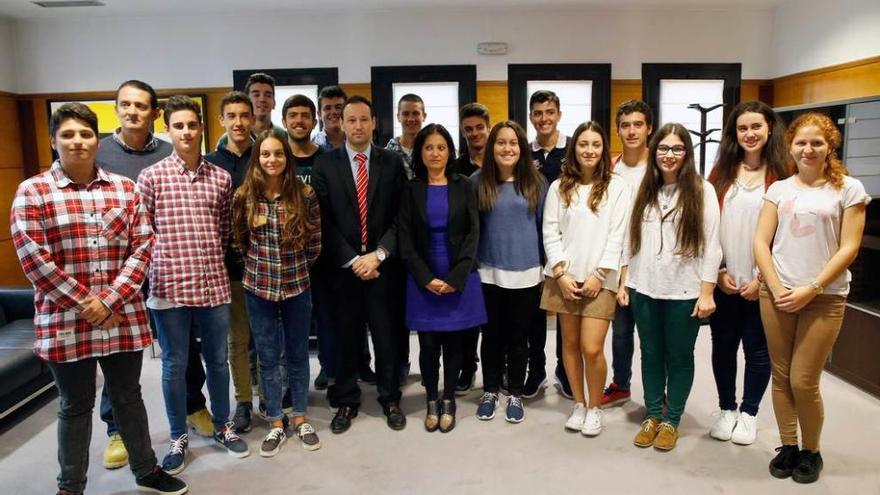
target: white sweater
585 240
657 271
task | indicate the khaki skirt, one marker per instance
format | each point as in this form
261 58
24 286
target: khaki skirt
601 307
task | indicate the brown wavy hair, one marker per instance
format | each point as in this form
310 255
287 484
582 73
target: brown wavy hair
572 175
297 227
690 240
835 171
527 181
730 154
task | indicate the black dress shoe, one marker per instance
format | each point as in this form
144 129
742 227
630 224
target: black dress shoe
785 461
394 416
808 468
342 420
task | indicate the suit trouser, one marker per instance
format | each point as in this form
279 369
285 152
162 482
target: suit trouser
360 304
799 344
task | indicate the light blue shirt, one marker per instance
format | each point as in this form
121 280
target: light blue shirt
353 163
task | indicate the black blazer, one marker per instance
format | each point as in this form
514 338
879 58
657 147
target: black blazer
463 231
340 221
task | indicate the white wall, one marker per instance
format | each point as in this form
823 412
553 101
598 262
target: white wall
81 55
7 57
809 34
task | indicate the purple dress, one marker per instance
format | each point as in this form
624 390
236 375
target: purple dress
427 312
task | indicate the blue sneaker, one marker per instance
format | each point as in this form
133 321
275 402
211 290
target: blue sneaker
175 459
486 409
515 411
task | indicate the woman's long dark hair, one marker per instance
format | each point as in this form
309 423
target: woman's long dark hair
527 181
731 154
297 227
572 175
418 165
689 208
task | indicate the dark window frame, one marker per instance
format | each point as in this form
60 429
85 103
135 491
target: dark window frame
382 79
518 76
653 73
321 76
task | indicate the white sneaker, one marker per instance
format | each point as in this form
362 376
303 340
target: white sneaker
576 420
746 430
723 427
593 422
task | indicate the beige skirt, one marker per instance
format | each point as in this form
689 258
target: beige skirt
601 307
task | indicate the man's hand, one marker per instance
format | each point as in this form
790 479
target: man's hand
364 265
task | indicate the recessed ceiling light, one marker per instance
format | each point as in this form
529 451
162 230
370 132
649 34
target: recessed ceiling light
69 3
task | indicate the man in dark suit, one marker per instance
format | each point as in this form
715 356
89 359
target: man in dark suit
359 187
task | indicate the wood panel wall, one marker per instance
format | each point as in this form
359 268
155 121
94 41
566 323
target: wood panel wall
11 174
838 82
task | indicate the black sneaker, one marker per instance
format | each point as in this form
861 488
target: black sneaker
242 419
321 382
234 445
175 459
785 461
273 442
562 384
307 436
808 468
465 382
159 481
534 384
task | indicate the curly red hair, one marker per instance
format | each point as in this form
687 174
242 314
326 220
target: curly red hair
835 171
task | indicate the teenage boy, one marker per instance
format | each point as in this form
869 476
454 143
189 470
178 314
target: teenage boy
187 201
473 119
634 126
260 88
411 115
83 240
548 155
237 118
330 101
358 224
300 118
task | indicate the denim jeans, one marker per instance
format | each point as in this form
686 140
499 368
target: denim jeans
622 344
175 327
75 382
293 336
738 320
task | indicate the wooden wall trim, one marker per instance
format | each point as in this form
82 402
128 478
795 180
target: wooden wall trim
830 68
856 79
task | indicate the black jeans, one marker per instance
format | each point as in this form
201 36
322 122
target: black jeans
537 343
75 382
469 355
430 346
511 315
735 320
362 303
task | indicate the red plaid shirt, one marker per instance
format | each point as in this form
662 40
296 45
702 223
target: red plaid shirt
189 213
74 240
272 270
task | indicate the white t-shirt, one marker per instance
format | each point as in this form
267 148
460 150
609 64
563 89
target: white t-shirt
657 270
585 240
739 222
632 175
808 232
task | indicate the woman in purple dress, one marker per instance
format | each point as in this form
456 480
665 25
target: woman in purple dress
438 234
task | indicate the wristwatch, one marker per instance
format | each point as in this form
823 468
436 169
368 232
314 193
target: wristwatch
381 255
817 288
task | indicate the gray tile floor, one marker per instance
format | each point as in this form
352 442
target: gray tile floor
534 457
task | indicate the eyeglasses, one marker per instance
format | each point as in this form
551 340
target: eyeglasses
677 150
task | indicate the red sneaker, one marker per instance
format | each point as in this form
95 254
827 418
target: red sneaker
614 396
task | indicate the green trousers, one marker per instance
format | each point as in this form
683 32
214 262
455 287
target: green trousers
667 334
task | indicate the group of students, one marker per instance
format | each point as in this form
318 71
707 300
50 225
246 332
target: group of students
238 245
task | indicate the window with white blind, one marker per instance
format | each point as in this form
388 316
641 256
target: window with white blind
575 102
675 97
284 92
441 104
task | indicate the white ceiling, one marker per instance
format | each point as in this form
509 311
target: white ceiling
24 9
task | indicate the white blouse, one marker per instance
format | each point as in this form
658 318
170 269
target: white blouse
808 232
739 222
585 240
657 271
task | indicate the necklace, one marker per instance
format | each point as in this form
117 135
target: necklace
666 197
750 168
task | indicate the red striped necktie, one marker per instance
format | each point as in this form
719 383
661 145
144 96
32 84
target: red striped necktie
361 186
